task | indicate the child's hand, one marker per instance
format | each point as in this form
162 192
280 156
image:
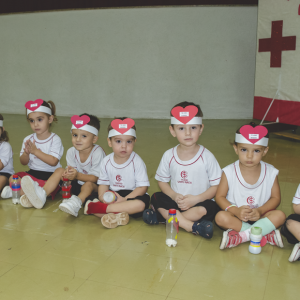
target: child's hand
187 202
26 149
119 198
178 197
254 215
71 173
32 147
243 213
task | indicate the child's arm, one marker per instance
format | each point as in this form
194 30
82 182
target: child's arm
166 189
271 204
139 191
1 165
240 212
24 159
101 190
46 158
296 208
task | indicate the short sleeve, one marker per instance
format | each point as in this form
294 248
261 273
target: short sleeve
56 148
5 154
141 177
97 158
212 167
70 157
103 177
296 199
163 170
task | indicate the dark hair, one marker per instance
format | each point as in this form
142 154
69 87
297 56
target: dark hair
50 105
4 134
251 124
94 121
123 118
185 104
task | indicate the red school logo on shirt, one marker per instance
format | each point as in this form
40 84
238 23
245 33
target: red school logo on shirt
251 202
118 183
118 178
184 176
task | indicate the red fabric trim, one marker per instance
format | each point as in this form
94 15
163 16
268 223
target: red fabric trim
288 112
193 161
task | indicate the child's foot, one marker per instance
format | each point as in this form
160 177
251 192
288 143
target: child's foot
233 238
71 205
149 217
113 220
86 207
6 192
36 194
25 201
274 238
295 255
204 229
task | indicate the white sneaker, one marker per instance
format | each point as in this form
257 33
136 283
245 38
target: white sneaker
24 201
86 207
35 194
71 205
295 255
6 192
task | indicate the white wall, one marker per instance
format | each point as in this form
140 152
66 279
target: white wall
135 62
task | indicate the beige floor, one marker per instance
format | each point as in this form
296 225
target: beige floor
47 254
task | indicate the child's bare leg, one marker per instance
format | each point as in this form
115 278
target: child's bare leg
130 207
195 213
3 182
277 217
294 228
227 220
53 181
86 189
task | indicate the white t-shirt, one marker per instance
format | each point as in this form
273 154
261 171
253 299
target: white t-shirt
242 193
127 176
296 199
91 166
6 157
52 146
194 176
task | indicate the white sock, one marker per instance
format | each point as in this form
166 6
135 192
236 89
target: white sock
245 235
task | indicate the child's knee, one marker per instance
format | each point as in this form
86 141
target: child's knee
292 224
222 218
281 217
140 205
202 211
88 185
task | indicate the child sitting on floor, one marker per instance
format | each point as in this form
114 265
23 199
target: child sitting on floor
83 161
291 228
249 192
124 173
194 174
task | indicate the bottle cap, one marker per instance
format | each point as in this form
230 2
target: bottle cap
15 176
172 211
256 230
65 179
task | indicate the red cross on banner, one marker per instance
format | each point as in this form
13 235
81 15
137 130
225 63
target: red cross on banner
276 44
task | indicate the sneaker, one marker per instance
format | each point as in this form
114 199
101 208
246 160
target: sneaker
35 194
86 207
25 202
6 192
274 238
295 255
114 220
230 239
71 205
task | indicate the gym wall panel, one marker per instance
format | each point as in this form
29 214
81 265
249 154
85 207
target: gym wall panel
135 62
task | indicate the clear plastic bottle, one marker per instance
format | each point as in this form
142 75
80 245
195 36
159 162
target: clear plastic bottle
16 189
66 188
255 238
109 197
172 228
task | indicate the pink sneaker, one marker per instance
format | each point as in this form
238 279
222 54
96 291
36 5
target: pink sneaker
274 238
230 239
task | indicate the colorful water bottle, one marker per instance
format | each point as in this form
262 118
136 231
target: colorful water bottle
255 238
172 226
16 189
109 196
66 188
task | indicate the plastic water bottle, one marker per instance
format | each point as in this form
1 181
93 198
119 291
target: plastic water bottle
255 238
66 188
172 228
16 189
109 196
